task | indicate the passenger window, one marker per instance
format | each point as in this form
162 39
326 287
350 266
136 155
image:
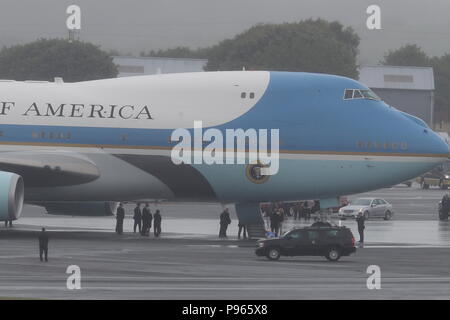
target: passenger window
331 233
313 235
252 95
296 235
243 95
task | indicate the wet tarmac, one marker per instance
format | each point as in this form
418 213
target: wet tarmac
189 262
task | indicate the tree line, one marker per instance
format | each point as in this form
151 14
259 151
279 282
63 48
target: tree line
313 45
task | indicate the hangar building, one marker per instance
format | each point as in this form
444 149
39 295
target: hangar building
409 89
138 66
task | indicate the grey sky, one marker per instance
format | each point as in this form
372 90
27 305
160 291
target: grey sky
132 26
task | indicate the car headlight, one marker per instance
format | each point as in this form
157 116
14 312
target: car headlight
261 244
447 177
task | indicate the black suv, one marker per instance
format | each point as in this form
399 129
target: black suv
329 241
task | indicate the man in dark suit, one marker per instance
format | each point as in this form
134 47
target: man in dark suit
146 220
120 216
157 223
225 220
360 220
137 217
43 245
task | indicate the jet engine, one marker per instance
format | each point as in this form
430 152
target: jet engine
11 196
87 208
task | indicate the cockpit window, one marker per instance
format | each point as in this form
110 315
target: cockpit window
350 94
369 94
357 94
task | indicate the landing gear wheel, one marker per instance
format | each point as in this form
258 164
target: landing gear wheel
273 254
333 254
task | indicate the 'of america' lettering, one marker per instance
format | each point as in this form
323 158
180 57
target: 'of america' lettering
77 110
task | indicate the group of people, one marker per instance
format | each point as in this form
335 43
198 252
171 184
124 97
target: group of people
143 219
225 221
301 210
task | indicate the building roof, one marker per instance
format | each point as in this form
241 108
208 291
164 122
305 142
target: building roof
394 77
132 66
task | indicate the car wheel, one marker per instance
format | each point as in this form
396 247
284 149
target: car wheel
273 254
333 254
387 215
366 215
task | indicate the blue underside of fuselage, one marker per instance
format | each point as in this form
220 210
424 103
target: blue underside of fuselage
309 179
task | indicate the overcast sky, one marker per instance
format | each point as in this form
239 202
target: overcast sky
131 26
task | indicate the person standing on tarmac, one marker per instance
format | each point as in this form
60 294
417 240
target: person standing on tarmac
280 216
445 205
274 222
120 216
243 229
8 222
360 220
43 245
157 223
137 217
225 220
146 220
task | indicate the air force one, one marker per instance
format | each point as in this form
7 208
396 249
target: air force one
102 141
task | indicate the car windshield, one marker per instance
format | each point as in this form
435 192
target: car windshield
362 202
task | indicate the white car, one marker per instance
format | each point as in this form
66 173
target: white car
370 208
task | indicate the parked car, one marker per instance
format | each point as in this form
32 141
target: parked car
325 240
370 207
438 177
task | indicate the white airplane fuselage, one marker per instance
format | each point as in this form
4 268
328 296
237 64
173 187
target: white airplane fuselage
109 140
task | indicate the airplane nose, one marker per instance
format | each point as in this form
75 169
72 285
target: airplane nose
425 140
437 145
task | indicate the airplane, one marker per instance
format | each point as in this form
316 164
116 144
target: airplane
88 144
